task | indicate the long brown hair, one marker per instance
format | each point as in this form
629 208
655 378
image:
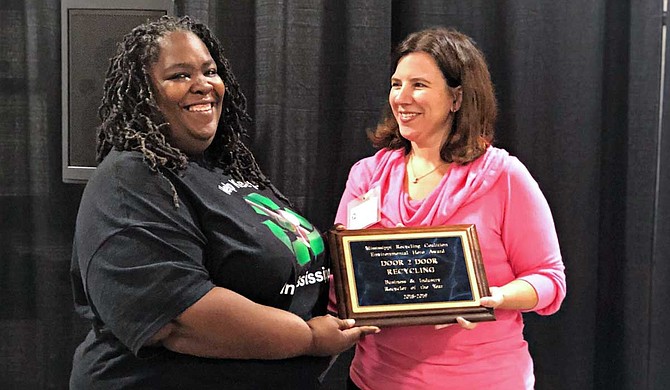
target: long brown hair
462 64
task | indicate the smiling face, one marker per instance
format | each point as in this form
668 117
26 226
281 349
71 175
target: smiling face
421 101
188 91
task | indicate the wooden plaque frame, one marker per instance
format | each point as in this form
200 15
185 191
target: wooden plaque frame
409 276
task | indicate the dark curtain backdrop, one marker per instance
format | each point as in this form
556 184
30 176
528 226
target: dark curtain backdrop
581 90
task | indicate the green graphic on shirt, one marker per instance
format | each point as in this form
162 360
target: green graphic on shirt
283 221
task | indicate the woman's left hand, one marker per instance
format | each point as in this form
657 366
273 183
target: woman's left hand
465 324
496 299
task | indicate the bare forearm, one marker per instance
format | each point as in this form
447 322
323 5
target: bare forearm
224 324
519 295
515 295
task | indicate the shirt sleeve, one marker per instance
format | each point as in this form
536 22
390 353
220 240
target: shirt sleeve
143 277
358 184
531 241
141 257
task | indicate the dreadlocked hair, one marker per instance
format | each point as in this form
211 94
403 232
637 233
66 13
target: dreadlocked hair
132 121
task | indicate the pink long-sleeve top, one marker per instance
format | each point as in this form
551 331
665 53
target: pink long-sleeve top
518 241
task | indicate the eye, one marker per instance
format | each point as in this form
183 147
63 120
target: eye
179 76
395 84
211 72
419 84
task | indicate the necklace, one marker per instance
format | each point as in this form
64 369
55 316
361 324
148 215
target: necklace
417 178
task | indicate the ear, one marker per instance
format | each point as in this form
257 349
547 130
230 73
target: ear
457 94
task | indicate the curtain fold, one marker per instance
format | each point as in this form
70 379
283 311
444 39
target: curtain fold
638 314
322 74
579 86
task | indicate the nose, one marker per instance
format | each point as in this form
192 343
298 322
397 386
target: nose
402 95
201 85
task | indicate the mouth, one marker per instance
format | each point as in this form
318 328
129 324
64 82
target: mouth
200 107
407 116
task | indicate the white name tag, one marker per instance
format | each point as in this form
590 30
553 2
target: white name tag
364 211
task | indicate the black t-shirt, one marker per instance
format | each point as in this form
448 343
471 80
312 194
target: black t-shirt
139 261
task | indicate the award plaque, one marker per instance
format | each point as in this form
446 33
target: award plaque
409 276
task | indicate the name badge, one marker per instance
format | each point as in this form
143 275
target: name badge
364 211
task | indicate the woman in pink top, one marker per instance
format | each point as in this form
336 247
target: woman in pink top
436 166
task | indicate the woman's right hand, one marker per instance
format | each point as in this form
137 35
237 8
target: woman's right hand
331 335
224 324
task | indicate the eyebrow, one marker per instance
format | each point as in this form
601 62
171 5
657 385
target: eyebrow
414 79
182 65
